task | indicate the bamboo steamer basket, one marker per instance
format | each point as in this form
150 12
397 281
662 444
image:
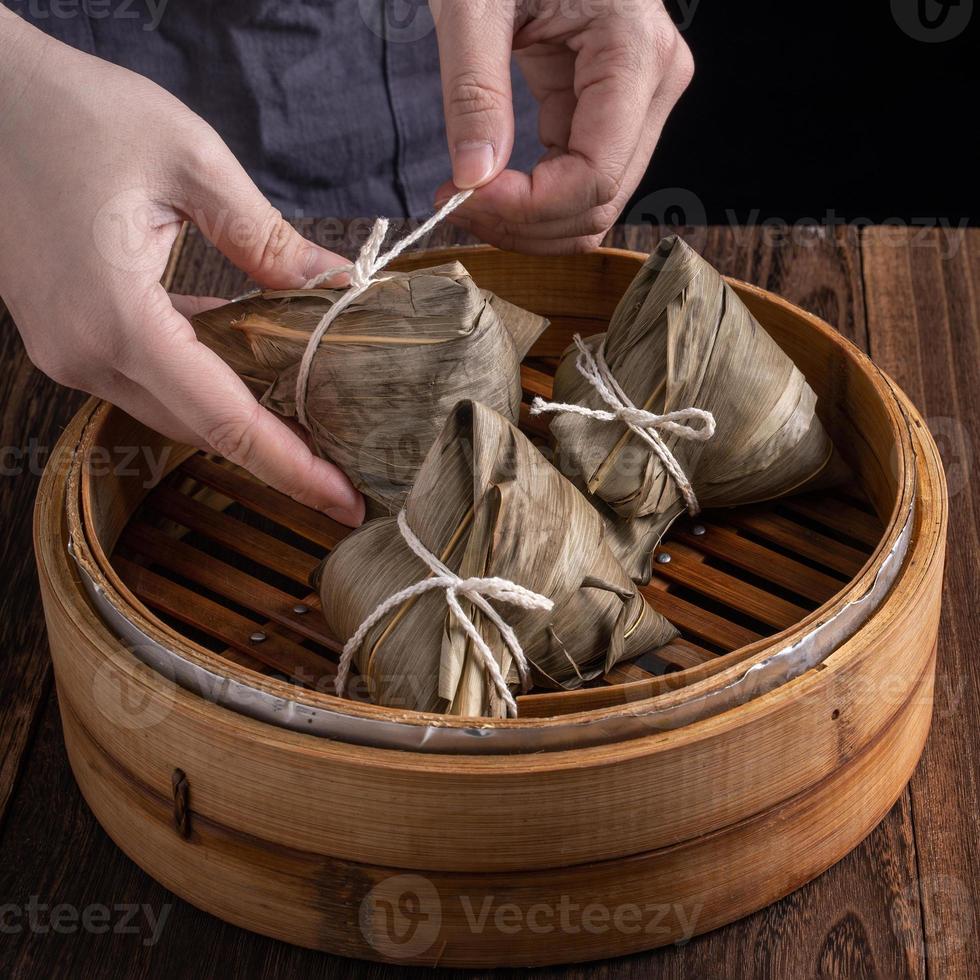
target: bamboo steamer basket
661 792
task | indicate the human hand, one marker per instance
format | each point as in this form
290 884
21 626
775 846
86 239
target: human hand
606 74
98 168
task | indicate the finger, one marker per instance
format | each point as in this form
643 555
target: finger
483 221
616 86
189 306
475 39
549 71
212 401
231 212
574 232
509 242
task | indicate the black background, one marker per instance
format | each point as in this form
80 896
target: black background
822 111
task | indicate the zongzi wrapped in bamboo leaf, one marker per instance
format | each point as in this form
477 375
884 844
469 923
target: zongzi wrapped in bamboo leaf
684 403
388 370
486 508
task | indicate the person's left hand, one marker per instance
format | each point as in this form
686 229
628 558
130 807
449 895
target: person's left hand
606 74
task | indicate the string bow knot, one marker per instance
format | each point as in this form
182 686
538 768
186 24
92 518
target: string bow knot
363 273
476 590
593 367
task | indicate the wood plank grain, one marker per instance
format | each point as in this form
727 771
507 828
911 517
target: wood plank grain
801 540
687 568
277 651
923 292
230 583
535 382
682 653
265 501
620 674
242 538
772 566
33 411
693 621
147 932
818 269
840 516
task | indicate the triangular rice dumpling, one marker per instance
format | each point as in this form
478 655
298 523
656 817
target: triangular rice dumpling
486 503
681 338
387 372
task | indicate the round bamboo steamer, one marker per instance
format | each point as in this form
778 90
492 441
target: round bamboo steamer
107 506
311 840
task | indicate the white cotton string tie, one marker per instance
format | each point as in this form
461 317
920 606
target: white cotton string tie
477 591
363 272
593 367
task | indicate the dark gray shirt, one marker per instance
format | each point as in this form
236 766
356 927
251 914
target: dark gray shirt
334 107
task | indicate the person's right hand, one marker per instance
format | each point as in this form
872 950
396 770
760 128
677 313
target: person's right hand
98 168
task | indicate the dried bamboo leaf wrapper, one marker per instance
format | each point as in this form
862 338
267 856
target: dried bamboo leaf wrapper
681 338
390 368
213 330
487 503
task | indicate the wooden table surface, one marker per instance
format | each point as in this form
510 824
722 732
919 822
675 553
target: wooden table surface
903 904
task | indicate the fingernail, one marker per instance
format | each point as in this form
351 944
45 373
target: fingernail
472 163
317 260
352 517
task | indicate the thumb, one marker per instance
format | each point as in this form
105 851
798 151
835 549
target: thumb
206 397
232 213
475 41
